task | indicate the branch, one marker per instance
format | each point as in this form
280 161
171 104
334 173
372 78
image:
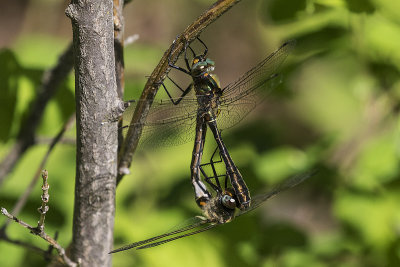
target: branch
51 81
43 235
39 230
157 77
45 253
45 199
97 144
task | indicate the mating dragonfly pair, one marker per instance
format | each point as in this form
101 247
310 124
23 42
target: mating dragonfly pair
215 108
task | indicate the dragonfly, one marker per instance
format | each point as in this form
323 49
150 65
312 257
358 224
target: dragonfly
219 210
173 121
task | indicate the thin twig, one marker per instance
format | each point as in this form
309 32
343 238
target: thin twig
157 77
45 199
43 235
24 197
51 81
15 219
39 230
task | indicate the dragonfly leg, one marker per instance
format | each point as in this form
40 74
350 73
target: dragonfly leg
177 85
187 45
194 54
205 47
217 186
175 66
186 71
207 178
186 58
184 92
178 68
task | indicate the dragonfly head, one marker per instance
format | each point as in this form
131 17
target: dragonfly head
220 208
201 66
228 200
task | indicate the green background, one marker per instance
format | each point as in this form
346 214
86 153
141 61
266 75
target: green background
336 110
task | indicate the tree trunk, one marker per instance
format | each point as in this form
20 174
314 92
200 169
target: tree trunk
96 99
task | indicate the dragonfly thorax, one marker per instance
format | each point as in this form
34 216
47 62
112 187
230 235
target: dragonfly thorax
209 106
207 84
221 208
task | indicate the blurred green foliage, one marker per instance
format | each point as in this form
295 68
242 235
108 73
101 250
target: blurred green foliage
337 110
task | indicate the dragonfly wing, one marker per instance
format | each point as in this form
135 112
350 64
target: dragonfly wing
169 133
261 73
291 182
166 124
234 109
161 109
191 222
203 229
232 112
188 225
240 97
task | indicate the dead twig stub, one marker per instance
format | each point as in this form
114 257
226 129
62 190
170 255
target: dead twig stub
39 230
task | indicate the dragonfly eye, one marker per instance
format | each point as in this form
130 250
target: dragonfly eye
228 202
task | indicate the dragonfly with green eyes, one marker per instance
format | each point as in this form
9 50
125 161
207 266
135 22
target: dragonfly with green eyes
174 121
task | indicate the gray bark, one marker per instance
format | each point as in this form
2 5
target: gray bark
96 99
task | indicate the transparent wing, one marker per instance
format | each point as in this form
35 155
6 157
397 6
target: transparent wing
261 73
291 182
206 228
240 97
188 225
233 110
166 124
163 110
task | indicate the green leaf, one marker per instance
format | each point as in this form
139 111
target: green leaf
280 163
377 164
374 217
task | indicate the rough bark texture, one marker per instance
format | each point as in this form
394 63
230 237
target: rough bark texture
96 99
